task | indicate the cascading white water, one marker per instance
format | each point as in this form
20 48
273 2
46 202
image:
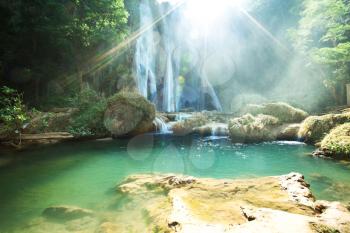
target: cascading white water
168 90
182 116
158 66
144 55
161 126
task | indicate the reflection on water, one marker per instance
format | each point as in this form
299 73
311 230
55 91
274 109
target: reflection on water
85 174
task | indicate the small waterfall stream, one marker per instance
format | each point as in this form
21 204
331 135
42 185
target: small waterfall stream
162 126
168 90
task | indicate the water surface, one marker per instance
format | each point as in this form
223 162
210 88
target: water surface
85 173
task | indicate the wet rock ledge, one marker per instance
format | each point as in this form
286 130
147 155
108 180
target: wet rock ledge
176 203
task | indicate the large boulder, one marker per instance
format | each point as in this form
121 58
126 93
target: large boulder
283 111
337 142
289 132
129 113
249 128
315 128
282 204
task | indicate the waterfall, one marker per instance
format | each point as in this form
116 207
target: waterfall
168 90
159 54
161 126
144 55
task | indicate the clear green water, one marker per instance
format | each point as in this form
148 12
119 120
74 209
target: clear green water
85 173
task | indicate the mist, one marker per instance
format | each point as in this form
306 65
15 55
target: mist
221 56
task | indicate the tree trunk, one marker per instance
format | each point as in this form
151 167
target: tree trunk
37 90
80 78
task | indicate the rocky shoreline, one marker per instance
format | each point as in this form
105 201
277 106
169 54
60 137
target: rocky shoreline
177 203
129 114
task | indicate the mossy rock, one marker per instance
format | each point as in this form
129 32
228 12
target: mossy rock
283 111
129 113
188 125
249 128
315 128
46 122
337 142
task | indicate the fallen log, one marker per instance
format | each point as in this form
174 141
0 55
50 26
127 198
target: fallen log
47 136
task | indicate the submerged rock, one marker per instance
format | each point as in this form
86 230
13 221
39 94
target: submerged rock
108 227
284 112
315 128
249 128
66 212
129 113
337 142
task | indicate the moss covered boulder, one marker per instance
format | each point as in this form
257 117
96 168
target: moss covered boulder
188 125
289 132
283 111
337 142
315 128
128 114
249 128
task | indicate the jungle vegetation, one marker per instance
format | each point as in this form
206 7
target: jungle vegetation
49 47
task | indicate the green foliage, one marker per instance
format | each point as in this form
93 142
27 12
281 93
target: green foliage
56 39
323 35
96 21
12 110
88 121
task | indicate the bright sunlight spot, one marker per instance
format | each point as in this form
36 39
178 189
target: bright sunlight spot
207 13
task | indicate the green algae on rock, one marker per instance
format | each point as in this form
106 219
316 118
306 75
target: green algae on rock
314 128
249 128
283 111
129 113
337 142
66 212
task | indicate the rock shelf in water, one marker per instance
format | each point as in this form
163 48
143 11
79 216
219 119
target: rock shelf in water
176 203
